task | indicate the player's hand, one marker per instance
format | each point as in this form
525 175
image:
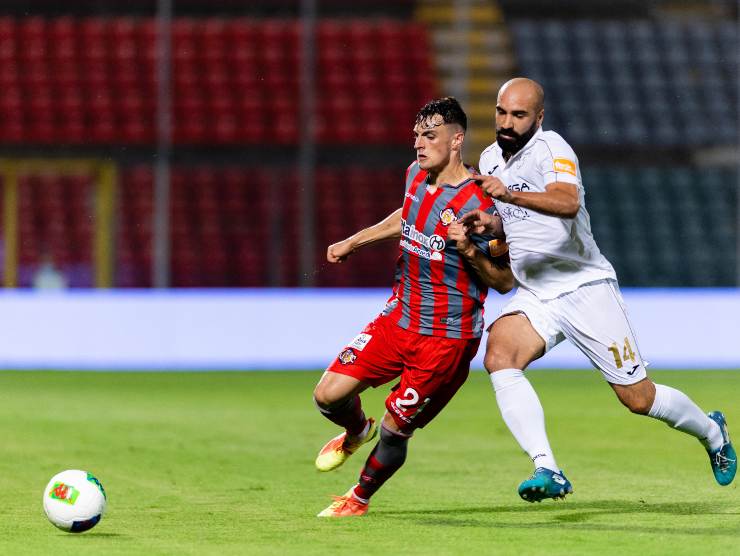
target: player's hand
493 187
480 222
338 252
458 233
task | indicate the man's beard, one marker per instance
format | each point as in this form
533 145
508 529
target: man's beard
512 146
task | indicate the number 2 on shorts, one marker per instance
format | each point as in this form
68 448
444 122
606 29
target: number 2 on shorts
627 353
410 397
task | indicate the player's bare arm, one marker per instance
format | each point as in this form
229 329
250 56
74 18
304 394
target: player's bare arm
388 228
495 276
559 199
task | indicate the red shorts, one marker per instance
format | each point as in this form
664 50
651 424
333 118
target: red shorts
431 368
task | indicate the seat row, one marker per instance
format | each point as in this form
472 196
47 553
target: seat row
80 81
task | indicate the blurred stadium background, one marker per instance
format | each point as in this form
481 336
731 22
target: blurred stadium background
224 144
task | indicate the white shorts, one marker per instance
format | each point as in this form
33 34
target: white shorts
594 318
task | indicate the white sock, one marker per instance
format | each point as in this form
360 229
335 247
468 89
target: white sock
676 409
522 412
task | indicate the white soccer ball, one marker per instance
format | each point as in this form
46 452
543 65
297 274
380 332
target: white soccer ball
74 500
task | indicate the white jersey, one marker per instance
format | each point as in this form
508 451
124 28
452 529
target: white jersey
550 256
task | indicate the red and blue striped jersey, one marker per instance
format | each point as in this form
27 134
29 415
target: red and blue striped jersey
436 293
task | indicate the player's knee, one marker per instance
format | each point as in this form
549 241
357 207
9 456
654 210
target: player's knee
636 402
489 362
324 396
640 407
497 358
638 398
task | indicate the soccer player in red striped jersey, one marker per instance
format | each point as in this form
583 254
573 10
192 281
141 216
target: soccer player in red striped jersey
431 326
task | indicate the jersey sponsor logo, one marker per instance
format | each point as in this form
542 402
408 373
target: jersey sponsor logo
524 186
511 212
420 251
411 196
360 341
492 170
447 216
564 165
347 357
432 245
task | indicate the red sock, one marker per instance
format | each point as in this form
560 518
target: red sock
386 458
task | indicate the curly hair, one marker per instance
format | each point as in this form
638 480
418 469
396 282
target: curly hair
448 108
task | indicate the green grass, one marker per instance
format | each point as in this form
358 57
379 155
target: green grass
222 463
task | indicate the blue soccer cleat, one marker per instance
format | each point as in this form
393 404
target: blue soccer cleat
545 483
723 460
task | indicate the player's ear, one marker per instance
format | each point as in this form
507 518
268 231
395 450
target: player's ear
540 117
458 139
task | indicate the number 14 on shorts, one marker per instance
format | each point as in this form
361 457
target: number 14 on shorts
626 353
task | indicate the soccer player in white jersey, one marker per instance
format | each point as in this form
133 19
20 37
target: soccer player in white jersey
567 289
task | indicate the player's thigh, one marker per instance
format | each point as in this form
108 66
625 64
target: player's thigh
512 343
523 332
433 374
595 319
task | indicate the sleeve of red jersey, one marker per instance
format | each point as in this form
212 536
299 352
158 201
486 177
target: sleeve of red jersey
488 244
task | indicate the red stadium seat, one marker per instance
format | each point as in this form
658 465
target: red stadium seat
235 66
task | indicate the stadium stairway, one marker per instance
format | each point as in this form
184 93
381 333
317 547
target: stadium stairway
479 61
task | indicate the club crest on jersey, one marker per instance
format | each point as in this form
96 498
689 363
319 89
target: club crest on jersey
347 357
447 216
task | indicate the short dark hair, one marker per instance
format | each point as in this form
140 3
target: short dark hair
448 108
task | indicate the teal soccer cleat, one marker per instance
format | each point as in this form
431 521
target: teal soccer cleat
545 483
724 460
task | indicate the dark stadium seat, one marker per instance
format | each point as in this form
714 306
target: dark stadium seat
685 69
658 227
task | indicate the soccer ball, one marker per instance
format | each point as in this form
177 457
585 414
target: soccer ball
74 500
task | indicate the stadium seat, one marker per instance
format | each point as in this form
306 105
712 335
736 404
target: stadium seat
217 69
677 67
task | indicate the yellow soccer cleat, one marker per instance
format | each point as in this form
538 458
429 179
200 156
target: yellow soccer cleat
338 449
345 506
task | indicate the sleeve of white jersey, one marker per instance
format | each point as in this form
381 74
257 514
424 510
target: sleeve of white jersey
484 164
559 162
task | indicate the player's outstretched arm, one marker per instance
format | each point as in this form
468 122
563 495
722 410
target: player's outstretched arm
495 276
559 198
388 228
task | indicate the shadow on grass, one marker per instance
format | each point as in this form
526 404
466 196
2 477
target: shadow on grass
560 514
93 535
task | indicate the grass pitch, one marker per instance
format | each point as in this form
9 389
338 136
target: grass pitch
222 463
